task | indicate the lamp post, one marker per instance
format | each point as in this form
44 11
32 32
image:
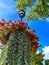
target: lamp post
21 14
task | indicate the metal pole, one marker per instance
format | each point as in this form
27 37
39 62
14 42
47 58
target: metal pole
21 19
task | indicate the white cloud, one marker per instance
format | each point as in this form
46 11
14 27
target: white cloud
46 52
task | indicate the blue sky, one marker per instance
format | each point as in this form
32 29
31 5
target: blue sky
8 12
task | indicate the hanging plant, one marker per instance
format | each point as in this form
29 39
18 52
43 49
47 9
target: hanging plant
8 27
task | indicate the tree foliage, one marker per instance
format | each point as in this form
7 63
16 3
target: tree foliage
47 62
37 58
40 9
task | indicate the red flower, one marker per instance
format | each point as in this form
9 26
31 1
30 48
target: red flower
1 31
22 26
20 22
13 23
12 28
33 30
3 42
35 46
1 24
16 25
31 36
36 37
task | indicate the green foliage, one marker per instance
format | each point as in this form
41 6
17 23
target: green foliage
41 9
3 55
24 4
37 58
46 62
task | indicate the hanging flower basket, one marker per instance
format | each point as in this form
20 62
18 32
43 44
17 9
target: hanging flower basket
8 27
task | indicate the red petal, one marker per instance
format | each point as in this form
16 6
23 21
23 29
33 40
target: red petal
36 38
33 30
3 42
2 24
23 26
1 31
12 28
35 46
16 25
31 36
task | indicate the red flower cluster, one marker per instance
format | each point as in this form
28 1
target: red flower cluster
20 25
31 36
1 24
10 26
34 39
34 48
